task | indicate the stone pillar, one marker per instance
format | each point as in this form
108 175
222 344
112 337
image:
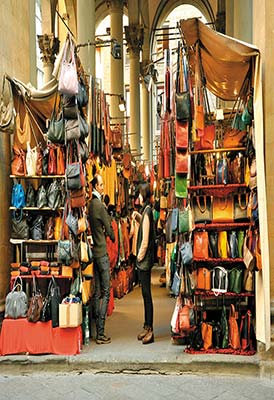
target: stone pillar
49 47
242 12
86 32
116 65
134 37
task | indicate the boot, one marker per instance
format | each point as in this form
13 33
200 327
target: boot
149 337
143 333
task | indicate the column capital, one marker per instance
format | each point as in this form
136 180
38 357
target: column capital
116 4
49 47
135 37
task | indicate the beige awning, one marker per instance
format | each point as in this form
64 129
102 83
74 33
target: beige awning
225 60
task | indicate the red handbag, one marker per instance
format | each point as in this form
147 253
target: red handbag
181 129
181 162
207 139
200 244
166 148
52 163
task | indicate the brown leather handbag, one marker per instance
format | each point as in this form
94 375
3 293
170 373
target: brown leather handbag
200 244
234 138
223 210
52 161
207 335
181 162
203 279
60 160
233 331
18 164
78 198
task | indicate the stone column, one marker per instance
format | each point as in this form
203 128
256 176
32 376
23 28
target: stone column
49 47
134 38
86 32
116 65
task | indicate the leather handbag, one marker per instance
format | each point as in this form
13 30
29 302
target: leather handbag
41 198
37 228
116 133
36 303
207 335
39 161
82 95
84 127
52 161
240 237
70 108
19 226
18 196
18 164
223 251
77 198
224 328
182 131
68 79
30 196
31 160
202 209
183 220
240 207
60 160
54 195
186 253
234 138
200 244
203 279
236 169
181 185
181 162
247 334
248 280
223 209
72 129
72 223
16 303
208 138
248 257
213 243
73 176
235 279
233 331
56 129
182 104
174 219
49 228
219 280
64 251
222 171
176 284
233 244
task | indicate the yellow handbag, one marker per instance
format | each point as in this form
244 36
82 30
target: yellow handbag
57 227
86 290
223 209
222 244
88 271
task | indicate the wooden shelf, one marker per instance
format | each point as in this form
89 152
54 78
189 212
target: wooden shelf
218 260
218 190
222 225
37 208
31 241
37 176
210 293
221 150
48 276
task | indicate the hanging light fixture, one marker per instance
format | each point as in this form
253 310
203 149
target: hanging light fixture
122 104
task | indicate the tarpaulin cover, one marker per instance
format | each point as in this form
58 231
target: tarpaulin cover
225 60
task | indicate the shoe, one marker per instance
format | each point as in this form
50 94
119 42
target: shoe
143 333
149 338
103 340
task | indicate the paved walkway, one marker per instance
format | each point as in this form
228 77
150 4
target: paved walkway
127 354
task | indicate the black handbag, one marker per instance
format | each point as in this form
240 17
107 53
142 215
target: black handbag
64 251
37 228
41 199
213 242
19 226
55 300
82 96
30 196
45 161
73 176
54 195
70 109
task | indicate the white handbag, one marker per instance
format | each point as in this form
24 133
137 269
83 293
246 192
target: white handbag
68 80
31 160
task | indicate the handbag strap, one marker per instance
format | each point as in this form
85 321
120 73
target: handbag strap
242 207
199 204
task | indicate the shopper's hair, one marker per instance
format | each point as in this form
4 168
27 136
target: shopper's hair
144 189
94 181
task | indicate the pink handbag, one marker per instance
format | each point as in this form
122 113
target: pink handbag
68 80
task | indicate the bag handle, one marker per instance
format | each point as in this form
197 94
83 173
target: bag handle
199 204
220 203
242 207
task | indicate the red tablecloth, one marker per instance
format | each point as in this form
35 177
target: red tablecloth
20 336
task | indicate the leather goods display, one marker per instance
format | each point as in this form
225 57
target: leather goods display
181 162
234 138
18 164
16 304
202 209
240 207
219 280
223 250
68 80
36 303
233 332
200 244
203 279
181 131
235 279
223 209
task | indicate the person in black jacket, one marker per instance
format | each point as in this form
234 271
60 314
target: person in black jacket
100 225
145 259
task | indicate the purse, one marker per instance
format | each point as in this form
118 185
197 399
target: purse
72 223
16 303
31 160
37 228
186 252
235 279
181 131
213 243
200 244
222 172
240 237
240 207
56 129
36 303
60 160
248 280
203 279
223 210
54 195
18 196
183 221
68 80
202 209
18 164
77 198
82 95
74 176
224 328
207 335
181 185
234 138
248 257
70 108
49 229
181 162
233 331
41 198
52 160
72 129
176 284
222 244
19 226
219 280
208 138
233 244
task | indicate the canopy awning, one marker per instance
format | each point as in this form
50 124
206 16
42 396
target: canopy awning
226 61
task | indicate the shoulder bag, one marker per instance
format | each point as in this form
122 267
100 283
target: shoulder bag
223 210
219 280
68 80
36 303
202 209
200 244
203 279
18 164
233 333
16 304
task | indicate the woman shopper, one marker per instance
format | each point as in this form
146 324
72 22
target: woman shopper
145 259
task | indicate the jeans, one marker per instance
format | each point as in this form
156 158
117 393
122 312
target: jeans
145 279
101 292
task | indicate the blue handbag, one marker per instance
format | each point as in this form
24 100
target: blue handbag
174 219
222 172
18 197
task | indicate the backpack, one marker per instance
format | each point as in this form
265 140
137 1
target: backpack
18 197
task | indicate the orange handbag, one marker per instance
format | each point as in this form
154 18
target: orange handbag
207 140
181 162
223 209
207 335
203 279
234 138
200 244
233 332
181 129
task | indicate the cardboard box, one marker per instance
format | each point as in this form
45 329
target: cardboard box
70 315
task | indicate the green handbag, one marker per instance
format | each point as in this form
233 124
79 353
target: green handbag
181 185
183 220
235 280
224 329
241 237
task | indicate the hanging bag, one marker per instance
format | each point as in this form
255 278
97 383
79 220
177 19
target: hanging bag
16 304
68 80
182 96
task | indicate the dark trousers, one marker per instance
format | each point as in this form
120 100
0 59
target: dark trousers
145 280
101 292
